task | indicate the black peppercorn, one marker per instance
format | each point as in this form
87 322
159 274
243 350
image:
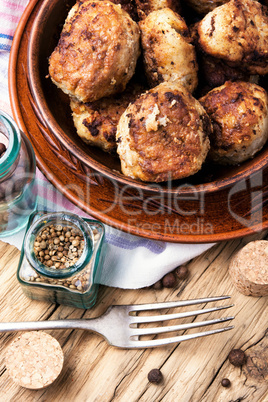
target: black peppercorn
225 382
169 280
155 376
2 149
182 272
237 357
157 285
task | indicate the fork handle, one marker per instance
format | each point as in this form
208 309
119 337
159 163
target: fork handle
89 324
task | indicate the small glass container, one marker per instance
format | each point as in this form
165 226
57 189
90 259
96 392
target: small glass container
17 177
74 285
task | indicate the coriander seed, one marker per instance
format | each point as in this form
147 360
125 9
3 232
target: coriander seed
65 269
50 249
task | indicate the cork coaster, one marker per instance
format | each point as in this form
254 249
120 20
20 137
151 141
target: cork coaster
249 269
34 360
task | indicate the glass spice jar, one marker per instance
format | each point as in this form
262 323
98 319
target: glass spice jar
68 279
17 177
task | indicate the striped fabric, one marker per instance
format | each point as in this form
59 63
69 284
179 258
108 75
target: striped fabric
130 261
10 13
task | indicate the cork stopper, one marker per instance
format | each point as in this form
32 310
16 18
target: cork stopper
34 360
249 269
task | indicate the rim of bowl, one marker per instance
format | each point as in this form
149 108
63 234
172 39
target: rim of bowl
260 161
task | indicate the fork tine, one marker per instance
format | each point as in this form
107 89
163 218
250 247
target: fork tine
179 303
170 328
176 339
165 317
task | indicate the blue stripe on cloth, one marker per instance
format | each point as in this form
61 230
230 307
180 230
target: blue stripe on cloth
130 244
6 36
4 46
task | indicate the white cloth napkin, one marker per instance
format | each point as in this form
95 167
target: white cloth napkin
130 261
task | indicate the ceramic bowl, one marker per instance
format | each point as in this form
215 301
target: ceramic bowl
54 107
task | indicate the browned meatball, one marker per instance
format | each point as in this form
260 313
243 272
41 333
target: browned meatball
237 32
145 7
128 5
167 49
239 115
97 51
96 122
163 135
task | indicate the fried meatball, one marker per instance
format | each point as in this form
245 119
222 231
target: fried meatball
237 32
145 7
96 122
216 72
167 49
239 115
163 135
128 5
203 7
97 51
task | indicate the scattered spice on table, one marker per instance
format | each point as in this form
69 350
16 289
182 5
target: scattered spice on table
237 357
182 272
157 285
155 376
225 382
169 280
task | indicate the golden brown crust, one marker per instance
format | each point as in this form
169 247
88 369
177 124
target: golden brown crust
128 5
97 51
145 7
238 33
163 135
96 122
239 115
167 49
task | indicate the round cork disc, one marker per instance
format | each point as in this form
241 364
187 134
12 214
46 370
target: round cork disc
248 269
34 360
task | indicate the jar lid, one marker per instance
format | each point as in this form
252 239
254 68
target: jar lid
65 219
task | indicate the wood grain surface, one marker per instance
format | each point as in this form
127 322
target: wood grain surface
192 370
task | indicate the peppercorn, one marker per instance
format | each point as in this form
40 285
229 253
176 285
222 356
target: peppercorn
157 285
182 272
3 149
169 280
237 357
225 382
155 376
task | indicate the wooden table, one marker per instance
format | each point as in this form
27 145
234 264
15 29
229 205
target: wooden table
193 370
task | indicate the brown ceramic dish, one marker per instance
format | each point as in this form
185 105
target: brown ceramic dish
54 106
216 209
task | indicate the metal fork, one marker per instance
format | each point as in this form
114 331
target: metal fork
119 324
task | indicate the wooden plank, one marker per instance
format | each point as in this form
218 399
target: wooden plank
95 371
